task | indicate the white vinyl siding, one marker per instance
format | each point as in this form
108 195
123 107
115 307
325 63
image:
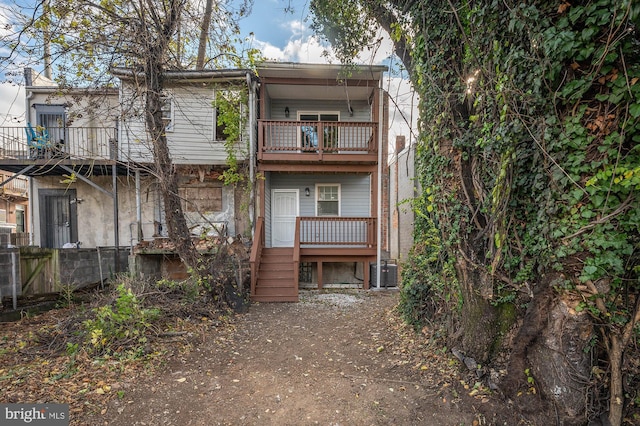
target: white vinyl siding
192 139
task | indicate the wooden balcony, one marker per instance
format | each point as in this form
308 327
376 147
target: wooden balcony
336 234
18 145
335 142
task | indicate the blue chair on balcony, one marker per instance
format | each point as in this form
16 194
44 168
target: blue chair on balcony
38 142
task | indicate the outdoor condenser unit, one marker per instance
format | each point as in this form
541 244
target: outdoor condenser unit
388 275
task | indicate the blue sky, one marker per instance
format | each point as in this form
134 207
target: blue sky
281 35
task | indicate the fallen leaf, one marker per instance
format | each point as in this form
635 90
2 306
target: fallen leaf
181 380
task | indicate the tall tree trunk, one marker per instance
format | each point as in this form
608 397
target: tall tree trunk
167 177
204 31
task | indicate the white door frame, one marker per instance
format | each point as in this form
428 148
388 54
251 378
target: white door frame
277 218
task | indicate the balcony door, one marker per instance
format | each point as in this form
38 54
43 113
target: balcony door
53 119
308 137
284 210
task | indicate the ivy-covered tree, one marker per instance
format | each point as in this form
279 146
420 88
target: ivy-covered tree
529 157
79 41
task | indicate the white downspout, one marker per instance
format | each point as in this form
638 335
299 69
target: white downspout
380 147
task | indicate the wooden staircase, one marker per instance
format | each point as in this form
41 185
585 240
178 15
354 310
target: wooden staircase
276 279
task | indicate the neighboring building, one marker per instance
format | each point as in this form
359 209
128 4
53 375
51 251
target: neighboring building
68 148
14 207
198 147
403 189
322 193
92 171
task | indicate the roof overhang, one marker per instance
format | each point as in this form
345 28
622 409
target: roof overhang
289 80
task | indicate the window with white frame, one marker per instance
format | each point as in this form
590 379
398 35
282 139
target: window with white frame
167 112
328 200
3 216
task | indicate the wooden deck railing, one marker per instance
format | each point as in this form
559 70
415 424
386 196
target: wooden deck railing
337 231
59 142
256 252
317 137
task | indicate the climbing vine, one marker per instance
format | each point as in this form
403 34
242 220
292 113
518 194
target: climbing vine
529 159
232 115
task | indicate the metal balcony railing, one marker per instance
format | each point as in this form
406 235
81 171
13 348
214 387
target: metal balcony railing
18 185
36 143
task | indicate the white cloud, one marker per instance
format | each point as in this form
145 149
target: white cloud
307 50
297 28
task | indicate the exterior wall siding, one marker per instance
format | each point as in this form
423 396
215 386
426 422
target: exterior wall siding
355 191
355 195
267 209
361 110
191 135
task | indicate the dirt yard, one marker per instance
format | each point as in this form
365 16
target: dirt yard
332 359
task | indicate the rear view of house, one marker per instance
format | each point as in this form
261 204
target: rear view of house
321 156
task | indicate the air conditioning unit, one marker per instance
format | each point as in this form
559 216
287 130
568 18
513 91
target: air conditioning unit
388 275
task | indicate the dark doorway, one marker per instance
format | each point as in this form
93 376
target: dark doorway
58 217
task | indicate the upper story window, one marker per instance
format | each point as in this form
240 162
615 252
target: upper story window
167 108
309 136
328 200
3 216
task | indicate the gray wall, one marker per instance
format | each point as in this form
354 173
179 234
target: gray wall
355 194
403 188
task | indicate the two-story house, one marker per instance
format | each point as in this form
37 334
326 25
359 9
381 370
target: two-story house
311 141
321 191
199 144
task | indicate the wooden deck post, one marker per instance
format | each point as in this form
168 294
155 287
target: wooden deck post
365 274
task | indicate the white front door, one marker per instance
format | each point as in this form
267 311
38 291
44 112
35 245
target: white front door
284 210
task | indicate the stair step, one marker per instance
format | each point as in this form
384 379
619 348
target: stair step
271 299
275 282
282 274
276 276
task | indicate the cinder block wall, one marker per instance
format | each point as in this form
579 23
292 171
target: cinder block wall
6 272
45 270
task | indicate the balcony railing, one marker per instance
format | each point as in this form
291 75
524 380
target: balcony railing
97 143
316 138
18 185
337 232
